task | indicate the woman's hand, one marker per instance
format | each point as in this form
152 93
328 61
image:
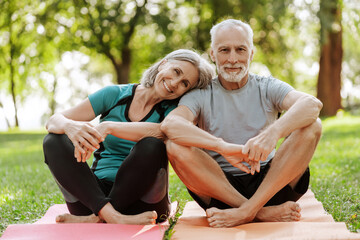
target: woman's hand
84 137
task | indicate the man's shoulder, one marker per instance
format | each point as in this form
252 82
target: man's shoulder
262 79
207 89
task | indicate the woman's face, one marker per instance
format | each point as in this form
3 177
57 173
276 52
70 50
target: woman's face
175 78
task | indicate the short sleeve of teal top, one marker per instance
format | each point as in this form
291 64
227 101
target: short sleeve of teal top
110 156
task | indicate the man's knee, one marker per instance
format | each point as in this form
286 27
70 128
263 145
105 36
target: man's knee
178 153
313 131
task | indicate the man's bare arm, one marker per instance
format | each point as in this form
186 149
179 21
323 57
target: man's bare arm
302 110
179 127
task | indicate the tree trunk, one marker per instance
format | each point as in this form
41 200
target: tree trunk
52 98
12 74
329 79
123 69
6 120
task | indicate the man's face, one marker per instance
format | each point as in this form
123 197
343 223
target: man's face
232 54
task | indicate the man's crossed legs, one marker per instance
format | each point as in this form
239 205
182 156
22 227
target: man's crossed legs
205 179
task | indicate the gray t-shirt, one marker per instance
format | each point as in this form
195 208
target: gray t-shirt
237 115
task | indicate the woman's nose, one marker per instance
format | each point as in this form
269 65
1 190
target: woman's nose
175 82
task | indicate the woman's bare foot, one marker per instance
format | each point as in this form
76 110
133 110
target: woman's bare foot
144 218
69 218
286 212
228 217
110 215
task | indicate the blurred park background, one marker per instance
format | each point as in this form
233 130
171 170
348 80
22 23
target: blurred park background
53 53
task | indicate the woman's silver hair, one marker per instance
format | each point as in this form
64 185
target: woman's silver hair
235 23
206 70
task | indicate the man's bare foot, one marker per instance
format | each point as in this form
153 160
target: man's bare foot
286 212
69 218
228 217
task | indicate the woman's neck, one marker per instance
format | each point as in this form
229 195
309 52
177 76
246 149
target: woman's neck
146 96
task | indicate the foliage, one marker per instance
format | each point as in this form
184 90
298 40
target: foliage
286 38
351 71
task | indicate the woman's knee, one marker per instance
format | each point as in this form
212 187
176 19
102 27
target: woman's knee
151 147
53 143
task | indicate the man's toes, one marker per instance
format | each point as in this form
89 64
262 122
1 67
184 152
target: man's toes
295 207
210 212
214 224
296 216
210 219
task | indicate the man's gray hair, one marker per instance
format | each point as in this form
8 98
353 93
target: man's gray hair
206 70
232 22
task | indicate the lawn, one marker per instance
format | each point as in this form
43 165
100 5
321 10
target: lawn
27 187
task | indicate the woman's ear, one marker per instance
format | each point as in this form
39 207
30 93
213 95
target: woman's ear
162 64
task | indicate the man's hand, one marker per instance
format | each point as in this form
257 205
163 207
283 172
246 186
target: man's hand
259 147
233 153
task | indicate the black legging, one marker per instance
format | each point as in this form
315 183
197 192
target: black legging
141 183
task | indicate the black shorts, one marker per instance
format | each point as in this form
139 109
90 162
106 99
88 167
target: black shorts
248 184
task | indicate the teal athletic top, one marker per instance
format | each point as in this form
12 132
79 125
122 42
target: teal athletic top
113 103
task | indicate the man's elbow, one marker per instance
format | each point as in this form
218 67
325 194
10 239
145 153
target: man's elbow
315 105
167 125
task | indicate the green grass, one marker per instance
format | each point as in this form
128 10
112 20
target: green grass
28 189
335 170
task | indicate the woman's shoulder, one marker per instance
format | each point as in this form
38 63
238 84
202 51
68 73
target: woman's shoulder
118 91
169 103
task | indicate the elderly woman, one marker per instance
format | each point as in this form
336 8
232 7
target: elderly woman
128 180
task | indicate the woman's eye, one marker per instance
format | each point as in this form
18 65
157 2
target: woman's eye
185 83
177 71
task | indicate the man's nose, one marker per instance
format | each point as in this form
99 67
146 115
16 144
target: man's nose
232 57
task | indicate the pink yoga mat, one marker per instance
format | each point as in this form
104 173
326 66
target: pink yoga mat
94 231
47 229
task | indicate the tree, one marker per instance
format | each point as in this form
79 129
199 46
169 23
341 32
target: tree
107 28
17 26
329 80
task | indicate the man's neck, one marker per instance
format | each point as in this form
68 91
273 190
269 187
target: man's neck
233 85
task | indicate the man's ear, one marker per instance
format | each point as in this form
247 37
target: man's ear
252 55
212 55
162 64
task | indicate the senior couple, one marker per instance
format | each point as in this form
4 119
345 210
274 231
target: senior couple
220 139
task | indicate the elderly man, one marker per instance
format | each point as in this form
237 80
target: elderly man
234 122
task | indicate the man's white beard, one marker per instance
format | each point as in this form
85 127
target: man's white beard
233 76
